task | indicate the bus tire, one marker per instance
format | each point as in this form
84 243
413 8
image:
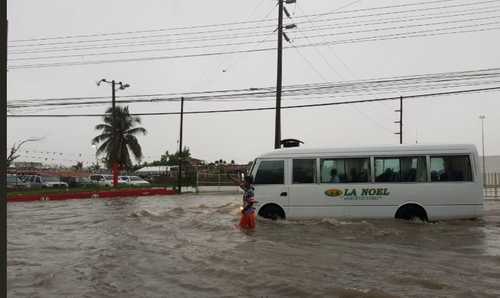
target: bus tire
411 211
272 211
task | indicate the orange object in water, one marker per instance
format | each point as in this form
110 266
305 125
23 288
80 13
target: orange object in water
247 221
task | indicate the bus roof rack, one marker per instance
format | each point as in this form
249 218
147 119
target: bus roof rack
288 143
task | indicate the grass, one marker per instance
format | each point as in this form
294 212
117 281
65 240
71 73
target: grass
46 191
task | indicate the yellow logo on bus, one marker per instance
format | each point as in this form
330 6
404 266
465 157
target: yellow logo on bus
334 192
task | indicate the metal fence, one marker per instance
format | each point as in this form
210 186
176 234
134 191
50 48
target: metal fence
216 182
492 185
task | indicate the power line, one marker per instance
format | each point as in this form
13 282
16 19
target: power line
264 41
147 50
271 108
241 35
148 36
404 5
228 23
405 18
413 34
429 80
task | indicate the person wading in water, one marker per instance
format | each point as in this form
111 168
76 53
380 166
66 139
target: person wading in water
248 213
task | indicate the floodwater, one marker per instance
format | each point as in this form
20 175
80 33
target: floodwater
188 246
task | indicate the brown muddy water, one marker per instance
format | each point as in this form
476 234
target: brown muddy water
188 246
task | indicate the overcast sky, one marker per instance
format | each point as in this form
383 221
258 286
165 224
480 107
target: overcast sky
242 136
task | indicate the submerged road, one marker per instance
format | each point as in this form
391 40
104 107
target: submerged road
188 246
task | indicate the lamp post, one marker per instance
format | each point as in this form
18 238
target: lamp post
482 117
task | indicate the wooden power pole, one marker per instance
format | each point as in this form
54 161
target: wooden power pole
279 79
179 175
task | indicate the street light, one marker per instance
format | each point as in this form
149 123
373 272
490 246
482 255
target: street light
482 117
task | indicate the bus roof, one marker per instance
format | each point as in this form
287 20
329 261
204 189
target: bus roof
382 150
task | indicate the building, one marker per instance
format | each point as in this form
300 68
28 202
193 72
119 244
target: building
28 165
157 171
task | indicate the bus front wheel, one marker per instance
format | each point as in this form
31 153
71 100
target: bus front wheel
272 211
411 211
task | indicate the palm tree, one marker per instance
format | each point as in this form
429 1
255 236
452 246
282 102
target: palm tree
116 146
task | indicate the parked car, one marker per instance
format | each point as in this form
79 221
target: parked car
133 180
15 182
36 181
79 181
102 179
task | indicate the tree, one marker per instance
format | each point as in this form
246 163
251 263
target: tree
185 157
16 147
117 144
94 167
165 157
78 166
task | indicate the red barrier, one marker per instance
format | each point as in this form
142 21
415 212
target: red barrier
91 195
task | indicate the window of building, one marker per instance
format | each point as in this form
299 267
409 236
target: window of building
304 171
450 168
349 170
270 172
400 169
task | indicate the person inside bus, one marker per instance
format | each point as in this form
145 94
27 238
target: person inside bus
334 176
354 177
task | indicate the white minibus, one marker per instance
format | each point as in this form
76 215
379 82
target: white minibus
428 182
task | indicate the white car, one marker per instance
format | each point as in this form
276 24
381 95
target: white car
132 180
102 179
14 182
45 181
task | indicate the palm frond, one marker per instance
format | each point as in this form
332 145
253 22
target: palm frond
104 147
101 138
105 127
136 130
133 145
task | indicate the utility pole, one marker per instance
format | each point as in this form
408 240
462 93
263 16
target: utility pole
279 77
3 151
113 84
179 175
113 115
482 117
400 133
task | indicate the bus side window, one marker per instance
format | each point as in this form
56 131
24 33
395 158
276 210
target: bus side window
270 172
400 169
304 171
450 168
349 170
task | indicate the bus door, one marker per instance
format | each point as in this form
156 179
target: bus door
307 197
270 183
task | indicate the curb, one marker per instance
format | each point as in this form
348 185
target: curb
91 195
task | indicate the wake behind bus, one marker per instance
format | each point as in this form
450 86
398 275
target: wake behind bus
428 182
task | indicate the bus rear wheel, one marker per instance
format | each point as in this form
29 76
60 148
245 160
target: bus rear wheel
411 212
272 211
